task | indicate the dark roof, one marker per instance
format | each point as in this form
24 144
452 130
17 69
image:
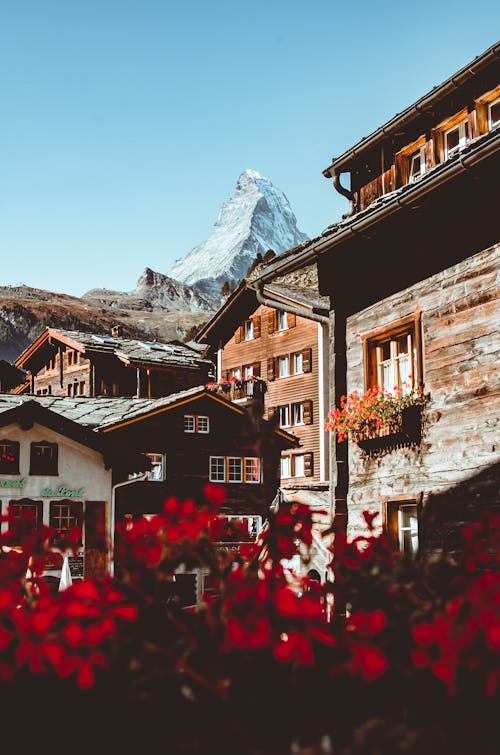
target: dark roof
477 151
308 297
422 106
96 416
127 350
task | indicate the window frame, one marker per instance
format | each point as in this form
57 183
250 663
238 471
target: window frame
286 460
284 360
284 409
281 320
296 457
297 360
187 423
297 406
229 474
37 522
15 445
52 468
421 153
391 519
248 330
162 465
252 459
463 137
411 324
491 104
75 518
211 461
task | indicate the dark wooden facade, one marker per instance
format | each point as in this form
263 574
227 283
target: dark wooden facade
66 363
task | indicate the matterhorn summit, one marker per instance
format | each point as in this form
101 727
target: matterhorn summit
257 218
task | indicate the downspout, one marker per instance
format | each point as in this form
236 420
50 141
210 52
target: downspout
286 307
351 196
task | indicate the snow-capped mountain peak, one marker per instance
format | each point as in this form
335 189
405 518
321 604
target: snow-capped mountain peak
258 217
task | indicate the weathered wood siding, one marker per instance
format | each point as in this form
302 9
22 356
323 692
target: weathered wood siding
265 348
455 468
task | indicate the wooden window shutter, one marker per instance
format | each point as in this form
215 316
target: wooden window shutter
271 374
271 321
256 369
307 360
256 326
308 412
308 465
292 320
238 334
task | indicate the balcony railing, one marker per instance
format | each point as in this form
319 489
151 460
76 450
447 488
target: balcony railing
240 390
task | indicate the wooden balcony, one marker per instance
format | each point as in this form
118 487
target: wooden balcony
241 391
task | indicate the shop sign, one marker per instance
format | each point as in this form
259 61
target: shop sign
13 483
62 492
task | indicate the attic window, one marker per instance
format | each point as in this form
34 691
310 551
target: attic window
494 113
416 164
456 138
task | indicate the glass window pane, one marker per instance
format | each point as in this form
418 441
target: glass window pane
452 139
495 113
299 465
252 470
285 466
203 424
235 471
189 423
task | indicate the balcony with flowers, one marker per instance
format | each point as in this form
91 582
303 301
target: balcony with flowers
240 389
378 420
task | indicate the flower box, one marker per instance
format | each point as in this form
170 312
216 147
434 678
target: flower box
404 429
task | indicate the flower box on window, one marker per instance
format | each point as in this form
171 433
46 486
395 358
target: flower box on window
377 419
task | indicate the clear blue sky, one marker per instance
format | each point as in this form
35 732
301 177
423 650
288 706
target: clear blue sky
125 123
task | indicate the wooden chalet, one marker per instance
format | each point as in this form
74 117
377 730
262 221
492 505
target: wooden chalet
62 474
412 272
271 346
96 462
73 363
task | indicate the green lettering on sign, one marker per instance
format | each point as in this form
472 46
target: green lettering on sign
13 483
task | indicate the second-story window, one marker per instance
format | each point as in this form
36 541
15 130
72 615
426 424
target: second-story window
392 356
283 366
297 363
196 423
9 457
284 415
456 138
43 458
298 413
248 330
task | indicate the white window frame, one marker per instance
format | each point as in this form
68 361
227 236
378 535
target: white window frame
248 330
230 473
393 363
412 529
189 423
284 415
281 320
420 152
490 106
158 461
299 461
202 424
284 366
250 461
215 469
298 413
286 467
463 138
235 372
298 363
248 371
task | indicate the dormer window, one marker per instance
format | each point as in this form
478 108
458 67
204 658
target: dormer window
416 163
494 113
456 138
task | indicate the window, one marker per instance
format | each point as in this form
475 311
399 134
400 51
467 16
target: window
392 356
416 165
283 366
297 363
26 517
235 373
235 469
402 525
284 415
494 113
43 458
299 465
286 466
64 515
248 371
9 457
298 414
157 473
252 469
81 388
217 469
248 330
189 423
281 320
196 423
72 357
456 138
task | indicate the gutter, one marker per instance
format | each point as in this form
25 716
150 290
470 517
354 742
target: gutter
285 307
423 106
417 191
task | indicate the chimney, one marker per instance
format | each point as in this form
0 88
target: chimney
117 331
